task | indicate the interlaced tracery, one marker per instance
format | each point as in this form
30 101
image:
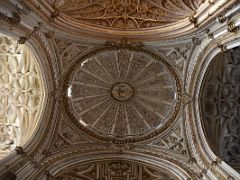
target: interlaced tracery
21 94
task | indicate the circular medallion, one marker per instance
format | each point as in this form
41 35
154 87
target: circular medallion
122 94
122 91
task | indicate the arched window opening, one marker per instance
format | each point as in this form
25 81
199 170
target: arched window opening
21 94
220 106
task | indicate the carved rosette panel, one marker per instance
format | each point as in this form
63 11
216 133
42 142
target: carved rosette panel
113 170
126 14
123 94
21 94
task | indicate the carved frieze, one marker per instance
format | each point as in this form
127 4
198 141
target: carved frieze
220 106
114 170
68 50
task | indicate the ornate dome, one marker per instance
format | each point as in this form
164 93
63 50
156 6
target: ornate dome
147 20
120 89
123 93
125 14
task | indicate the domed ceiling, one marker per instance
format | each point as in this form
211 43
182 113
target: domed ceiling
125 14
118 91
114 19
122 93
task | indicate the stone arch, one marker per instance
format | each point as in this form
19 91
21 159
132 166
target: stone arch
202 143
220 106
78 164
22 94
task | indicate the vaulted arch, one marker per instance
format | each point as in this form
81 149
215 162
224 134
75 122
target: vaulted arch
220 106
21 94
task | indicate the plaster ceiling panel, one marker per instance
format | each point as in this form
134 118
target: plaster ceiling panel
21 94
114 19
220 106
114 170
122 94
126 14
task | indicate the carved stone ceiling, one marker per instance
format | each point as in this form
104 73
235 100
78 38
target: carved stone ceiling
114 19
220 106
126 14
123 93
21 94
114 108
113 170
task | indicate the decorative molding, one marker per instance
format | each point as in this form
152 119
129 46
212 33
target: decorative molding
113 49
118 169
21 94
124 15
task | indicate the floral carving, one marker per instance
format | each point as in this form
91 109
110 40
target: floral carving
114 170
122 93
68 51
126 14
220 106
21 94
179 54
174 141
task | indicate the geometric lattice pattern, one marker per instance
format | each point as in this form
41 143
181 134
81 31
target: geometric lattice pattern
123 93
114 170
21 94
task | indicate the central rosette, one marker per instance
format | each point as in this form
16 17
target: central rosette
122 91
122 94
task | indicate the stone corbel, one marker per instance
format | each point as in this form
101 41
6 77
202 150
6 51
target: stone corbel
49 34
14 20
23 39
222 47
193 20
233 28
222 18
20 150
54 15
196 41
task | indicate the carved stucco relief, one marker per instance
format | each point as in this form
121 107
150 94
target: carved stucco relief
122 93
114 170
21 94
126 14
179 55
68 50
220 106
174 141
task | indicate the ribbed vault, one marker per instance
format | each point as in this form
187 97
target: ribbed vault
220 104
21 94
